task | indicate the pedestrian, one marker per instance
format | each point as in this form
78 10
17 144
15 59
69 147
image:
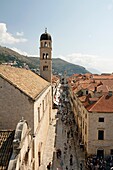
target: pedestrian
58 153
81 166
66 168
71 159
49 166
64 154
61 163
69 144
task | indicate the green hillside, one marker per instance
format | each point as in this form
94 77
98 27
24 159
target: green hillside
59 65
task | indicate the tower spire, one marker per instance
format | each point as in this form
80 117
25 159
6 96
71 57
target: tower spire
45 30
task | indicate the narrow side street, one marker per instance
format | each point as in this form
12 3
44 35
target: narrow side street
61 148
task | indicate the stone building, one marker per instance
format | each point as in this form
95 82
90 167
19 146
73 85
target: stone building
92 103
25 94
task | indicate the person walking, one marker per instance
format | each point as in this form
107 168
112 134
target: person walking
81 166
49 166
71 159
66 168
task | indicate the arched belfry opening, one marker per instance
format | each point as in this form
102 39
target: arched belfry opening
46 56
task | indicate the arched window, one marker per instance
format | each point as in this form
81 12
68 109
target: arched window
47 55
45 44
43 55
45 68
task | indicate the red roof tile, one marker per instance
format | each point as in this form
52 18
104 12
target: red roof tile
25 80
103 105
6 141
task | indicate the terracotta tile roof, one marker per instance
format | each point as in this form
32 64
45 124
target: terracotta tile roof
75 75
103 105
100 77
25 80
108 83
103 88
6 141
105 85
82 98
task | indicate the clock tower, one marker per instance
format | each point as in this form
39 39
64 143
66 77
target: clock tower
46 56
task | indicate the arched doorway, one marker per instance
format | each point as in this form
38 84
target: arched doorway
100 153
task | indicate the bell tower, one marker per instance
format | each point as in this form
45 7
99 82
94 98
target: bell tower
46 56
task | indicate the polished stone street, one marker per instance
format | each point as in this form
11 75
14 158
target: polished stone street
61 137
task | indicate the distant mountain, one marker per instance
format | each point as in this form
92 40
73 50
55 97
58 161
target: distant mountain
94 71
59 66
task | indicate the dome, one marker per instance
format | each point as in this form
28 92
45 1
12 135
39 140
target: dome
45 36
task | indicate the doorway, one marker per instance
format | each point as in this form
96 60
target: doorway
39 158
100 153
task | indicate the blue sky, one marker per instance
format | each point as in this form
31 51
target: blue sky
82 30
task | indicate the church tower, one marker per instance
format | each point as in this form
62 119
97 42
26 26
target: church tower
46 56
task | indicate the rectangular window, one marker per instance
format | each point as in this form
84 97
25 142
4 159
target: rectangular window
86 91
38 114
100 135
85 129
43 106
45 68
111 152
101 119
86 116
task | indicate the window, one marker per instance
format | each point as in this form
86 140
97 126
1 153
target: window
38 114
47 56
45 68
43 55
100 153
111 152
43 106
86 116
101 119
45 45
100 135
86 91
85 129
